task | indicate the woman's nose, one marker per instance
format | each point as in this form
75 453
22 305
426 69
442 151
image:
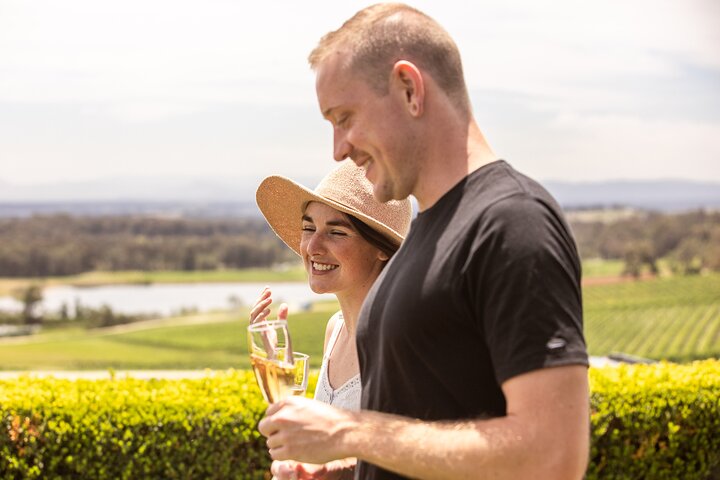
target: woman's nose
315 244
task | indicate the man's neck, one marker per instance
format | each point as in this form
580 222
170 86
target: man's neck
450 164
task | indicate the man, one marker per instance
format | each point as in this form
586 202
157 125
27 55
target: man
470 343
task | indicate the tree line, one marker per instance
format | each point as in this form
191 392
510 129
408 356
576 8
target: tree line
689 242
58 245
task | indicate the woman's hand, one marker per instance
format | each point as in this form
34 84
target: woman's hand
291 470
261 309
285 470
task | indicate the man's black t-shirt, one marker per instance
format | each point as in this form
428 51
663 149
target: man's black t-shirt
485 287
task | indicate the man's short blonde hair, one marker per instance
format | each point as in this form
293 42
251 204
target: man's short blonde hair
378 36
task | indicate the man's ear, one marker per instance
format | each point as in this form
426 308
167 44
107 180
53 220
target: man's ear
407 81
382 256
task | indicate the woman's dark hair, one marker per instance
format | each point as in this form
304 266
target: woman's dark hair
374 238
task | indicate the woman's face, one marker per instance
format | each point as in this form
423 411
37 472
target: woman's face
338 260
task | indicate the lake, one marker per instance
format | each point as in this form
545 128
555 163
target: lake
168 299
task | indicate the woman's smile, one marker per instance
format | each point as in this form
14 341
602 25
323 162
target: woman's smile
323 267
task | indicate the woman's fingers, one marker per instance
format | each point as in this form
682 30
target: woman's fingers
261 317
261 308
283 311
283 470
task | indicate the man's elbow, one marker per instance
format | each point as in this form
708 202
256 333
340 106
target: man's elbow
567 461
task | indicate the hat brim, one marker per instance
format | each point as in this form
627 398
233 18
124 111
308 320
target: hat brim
283 201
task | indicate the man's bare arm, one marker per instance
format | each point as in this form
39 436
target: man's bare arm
545 435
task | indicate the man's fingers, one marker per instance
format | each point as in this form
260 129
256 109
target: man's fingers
273 408
268 425
274 441
279 453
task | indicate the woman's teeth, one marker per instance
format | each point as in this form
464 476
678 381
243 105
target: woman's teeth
323 266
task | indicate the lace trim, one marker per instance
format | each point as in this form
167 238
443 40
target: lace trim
354 382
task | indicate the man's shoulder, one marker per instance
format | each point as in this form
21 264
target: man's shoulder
492 199
499 180
502 208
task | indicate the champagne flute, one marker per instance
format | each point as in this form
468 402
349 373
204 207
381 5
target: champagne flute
301 363
279 371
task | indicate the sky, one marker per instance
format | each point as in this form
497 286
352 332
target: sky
565 90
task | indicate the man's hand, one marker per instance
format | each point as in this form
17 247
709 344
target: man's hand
305 430
545 434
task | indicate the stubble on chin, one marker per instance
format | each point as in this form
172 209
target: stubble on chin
388 191
382 193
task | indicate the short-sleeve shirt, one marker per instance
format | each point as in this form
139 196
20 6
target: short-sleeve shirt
485 287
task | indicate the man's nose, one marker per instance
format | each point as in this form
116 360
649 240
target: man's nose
341 147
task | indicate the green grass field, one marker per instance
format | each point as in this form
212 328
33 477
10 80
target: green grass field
674 318
215 340
594 268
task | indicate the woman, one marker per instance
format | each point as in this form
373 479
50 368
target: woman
345 238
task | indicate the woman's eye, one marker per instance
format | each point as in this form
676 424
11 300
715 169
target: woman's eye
308 228
339 233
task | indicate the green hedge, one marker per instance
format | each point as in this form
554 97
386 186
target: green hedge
648 422
656 422
132 429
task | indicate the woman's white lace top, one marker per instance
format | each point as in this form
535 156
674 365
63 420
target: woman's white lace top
346 396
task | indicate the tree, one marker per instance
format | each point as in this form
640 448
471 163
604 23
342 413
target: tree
637 254
31 298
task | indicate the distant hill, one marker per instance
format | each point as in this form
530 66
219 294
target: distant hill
662 195
228 197
165 196
168 209
128 189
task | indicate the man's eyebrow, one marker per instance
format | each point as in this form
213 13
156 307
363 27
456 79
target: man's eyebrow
307 218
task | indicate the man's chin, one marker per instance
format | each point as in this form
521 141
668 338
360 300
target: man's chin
385 192
382 194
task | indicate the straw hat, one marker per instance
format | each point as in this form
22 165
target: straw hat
346 189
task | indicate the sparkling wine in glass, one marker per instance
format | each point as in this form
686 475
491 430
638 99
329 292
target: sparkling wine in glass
279 371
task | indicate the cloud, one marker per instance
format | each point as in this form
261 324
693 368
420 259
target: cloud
568 89
590 147
133 51
579 48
